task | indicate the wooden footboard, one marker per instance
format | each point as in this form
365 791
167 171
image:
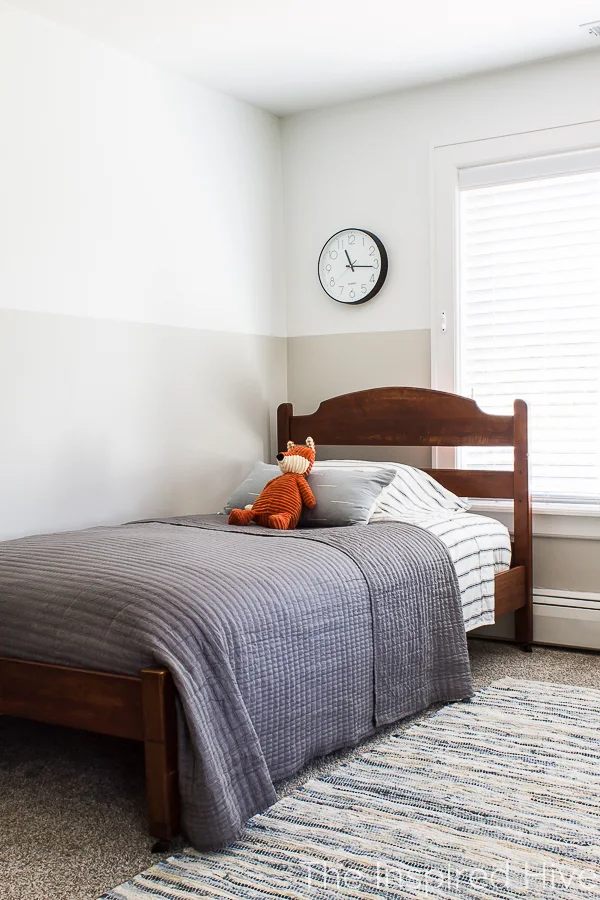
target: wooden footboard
509 591
140 709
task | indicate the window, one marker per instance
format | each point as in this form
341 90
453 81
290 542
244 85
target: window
529 313
516 298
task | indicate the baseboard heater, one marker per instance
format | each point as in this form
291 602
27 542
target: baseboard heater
563 618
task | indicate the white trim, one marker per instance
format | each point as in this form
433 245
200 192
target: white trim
567 599
447 162
567 618
552 164
560 618
540 509
579 524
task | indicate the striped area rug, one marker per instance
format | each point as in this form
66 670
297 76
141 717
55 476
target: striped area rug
497 797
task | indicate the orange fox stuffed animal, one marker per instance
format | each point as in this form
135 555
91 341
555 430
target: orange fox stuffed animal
280 502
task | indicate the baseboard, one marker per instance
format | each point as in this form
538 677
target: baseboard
492 639
567 618
560 618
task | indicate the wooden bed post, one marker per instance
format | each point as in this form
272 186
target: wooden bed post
285 412
523 540
160 743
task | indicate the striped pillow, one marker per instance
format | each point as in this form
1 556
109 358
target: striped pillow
411 495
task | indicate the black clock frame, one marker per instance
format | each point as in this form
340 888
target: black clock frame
383 271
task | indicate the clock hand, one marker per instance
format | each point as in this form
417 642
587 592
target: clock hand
359 267
349 260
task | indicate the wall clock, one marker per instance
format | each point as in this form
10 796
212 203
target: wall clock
353 266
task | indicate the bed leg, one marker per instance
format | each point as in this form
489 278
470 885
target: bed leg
161 847
524 626
160 743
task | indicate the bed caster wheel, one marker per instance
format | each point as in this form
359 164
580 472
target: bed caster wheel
161 847
526 648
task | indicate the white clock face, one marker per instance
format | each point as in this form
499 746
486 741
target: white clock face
352 266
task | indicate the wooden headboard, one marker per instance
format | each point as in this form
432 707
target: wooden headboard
418 417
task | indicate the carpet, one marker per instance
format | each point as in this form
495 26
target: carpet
496 797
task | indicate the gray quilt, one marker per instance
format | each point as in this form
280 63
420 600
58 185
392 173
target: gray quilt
283 645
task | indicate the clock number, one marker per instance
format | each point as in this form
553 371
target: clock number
333 254
363 288
372 278
371 251
375 263
328 268
351 238
341 289
331 282
352 295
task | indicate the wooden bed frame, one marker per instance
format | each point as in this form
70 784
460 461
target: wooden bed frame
143 708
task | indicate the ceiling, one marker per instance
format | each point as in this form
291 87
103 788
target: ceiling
290 55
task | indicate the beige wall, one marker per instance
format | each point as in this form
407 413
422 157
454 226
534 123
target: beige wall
105 421
567 564
322 366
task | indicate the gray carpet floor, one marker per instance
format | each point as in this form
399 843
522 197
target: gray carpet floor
72 818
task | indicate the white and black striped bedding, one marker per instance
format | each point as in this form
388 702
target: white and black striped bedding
479 546
410 495
413 493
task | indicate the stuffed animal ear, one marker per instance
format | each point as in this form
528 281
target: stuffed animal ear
290 444
310 443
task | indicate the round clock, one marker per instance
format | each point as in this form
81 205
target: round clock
352 266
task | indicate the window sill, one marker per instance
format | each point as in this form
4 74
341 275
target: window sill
551 520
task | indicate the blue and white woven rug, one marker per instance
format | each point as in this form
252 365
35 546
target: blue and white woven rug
498 797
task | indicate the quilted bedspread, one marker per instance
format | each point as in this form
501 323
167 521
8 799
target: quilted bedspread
283 645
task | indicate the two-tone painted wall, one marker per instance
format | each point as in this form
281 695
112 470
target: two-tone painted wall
142 321
368 165
149 236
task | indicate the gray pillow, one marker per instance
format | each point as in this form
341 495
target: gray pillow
251 487
344 496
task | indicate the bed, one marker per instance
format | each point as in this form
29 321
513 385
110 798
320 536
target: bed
143 707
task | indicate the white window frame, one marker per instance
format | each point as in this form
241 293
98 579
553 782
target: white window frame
446 163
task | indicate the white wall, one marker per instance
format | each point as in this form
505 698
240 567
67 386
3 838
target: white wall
129 193
367 165
139 215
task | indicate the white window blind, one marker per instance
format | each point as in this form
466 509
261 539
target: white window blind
529 314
